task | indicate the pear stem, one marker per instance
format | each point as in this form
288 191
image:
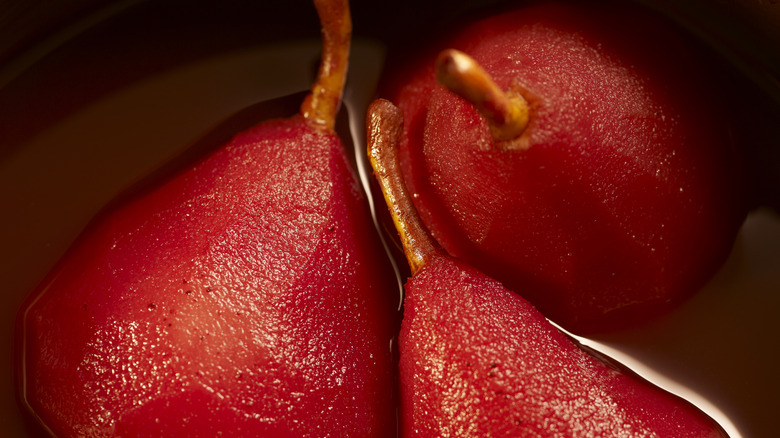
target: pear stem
384 127
507 115
322 104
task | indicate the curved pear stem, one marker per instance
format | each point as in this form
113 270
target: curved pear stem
384 126
321 106
507 115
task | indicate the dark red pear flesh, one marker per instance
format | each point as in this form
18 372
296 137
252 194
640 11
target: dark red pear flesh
246 296
478 360
616 194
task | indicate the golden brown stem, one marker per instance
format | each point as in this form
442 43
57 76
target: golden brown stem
322 104
384 125
507 115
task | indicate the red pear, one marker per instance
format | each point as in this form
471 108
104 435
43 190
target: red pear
477 360
243 297
580 152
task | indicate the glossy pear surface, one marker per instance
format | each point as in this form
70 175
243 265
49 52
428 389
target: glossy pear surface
246 296
623 195
477 360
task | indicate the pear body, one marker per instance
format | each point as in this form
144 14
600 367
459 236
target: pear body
244 297
625 193
477 360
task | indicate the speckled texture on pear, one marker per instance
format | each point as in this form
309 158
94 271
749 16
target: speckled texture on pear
629 195
247 295
477 360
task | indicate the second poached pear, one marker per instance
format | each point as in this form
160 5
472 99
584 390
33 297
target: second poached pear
624 193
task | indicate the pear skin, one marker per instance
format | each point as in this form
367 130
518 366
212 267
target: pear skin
245 296
587 155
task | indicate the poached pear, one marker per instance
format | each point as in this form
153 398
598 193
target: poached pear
245 296
583 153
